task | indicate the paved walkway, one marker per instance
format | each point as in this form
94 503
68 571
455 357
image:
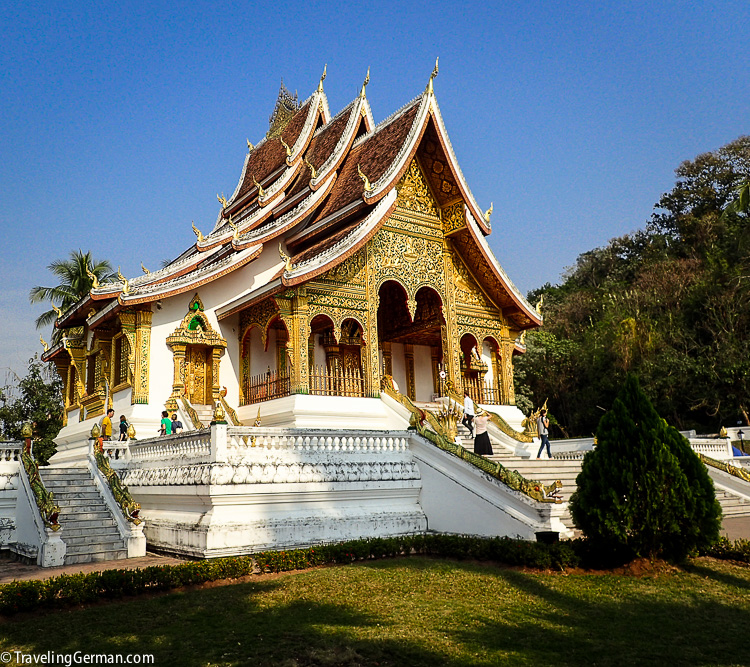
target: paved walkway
736 528
14 571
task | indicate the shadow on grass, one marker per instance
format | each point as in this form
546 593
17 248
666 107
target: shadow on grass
721 577
425 612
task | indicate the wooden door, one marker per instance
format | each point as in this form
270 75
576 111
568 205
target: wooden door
198 380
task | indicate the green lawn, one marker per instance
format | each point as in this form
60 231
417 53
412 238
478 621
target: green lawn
417 611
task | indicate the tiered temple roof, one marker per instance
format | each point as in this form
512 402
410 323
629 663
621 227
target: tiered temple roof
318 188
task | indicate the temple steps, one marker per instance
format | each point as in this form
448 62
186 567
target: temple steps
89 531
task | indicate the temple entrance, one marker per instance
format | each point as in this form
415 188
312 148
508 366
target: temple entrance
411 349
198 374
336 363
265 364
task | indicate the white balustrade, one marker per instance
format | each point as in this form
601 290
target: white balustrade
10 451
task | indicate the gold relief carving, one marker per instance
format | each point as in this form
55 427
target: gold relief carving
350 271
467 290
333 301
259 315
509 392
414 193
454 217
451 343
399 222
412 261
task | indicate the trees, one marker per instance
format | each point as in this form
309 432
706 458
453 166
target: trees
74 283
642 491
36 399
670 303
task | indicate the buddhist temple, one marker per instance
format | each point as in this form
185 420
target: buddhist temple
349 266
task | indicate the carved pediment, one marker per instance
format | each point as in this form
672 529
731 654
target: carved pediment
414 194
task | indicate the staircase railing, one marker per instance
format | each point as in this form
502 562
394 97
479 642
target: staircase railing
197 423
429 427
120 493
496 419
741 473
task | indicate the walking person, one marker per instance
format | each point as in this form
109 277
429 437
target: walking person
107 425
176 424
166 424
542 425
482 444
468 420
123 428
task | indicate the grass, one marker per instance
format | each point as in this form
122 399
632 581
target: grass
418 611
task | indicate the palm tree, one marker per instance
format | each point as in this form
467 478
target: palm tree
74 283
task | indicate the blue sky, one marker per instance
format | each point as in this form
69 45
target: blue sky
120 122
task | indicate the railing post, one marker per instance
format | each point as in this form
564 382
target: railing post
219 439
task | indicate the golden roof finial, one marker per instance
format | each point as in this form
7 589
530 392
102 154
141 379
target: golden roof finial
488 213
44 343
58 312
257 419
197 232
94 279
287 259
322 78
365 180
222 200
235 228
285 145
144 269
539 305
312 169
432 76
125 285
249 146
261 191
363 93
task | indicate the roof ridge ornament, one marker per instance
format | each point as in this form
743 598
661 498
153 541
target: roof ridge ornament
197 232
144 269
363 92
287 259
322 78
249 145
222 200
286 146
365 180
235 228
123 280
261 191
93 278
58 312
429 90
44 343
312 169
488 213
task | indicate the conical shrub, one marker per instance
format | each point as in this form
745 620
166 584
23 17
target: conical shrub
643 491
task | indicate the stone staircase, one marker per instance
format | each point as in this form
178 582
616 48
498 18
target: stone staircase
566 470
89 530
205 413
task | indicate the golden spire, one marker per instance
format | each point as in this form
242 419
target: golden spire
287 259
285 145
249 146
94 279
488 213
362 93
58 312
197 232
539 305
125 285
261 191
312 169
44 343
365 180
222 200
144 269
322 78
429 89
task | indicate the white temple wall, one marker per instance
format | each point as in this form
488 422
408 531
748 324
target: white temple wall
423 372
398 363
230 364
260 358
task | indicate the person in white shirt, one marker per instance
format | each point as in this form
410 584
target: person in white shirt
468 420
542 424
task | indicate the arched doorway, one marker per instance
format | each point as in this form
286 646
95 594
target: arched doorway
265 364
336 363
411 349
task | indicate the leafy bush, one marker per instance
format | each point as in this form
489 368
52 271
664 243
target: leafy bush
642 491
725 549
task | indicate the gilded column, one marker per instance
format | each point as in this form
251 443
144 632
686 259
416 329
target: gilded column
178 376
411 388
497 382
387 358
372 379
293 313
216 354
435 369
127 323
141 354
509 393
449 330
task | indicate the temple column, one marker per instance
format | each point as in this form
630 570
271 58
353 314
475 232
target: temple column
435 352
294 313
508 391
449 330
178 376
411 388
141 354
216 353
387 359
